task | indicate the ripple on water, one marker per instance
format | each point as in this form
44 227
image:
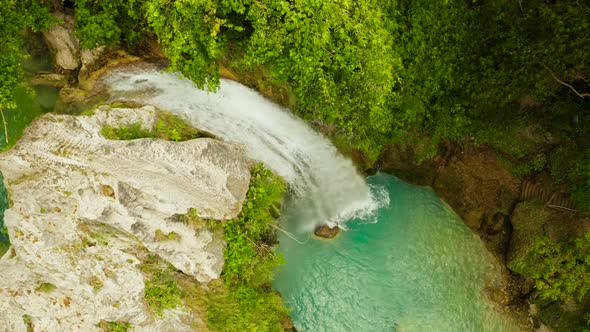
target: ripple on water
417 269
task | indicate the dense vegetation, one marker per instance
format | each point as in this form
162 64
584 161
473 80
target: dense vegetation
561 270
15 17
243 299
508 74
246 301
167 127
474 72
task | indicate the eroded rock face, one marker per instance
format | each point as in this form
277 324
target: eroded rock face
62 42
85 210
476 185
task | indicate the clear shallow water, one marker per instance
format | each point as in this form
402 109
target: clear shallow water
418 268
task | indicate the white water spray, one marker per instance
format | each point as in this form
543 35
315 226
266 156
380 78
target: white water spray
324 182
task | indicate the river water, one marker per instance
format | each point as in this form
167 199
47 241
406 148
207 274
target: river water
413 266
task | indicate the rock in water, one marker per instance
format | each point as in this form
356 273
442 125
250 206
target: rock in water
86 211
326 231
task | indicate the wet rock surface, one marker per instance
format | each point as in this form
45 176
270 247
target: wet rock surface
326 231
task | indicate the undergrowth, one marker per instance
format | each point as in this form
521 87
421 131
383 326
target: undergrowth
245 299
115 326
561 270
161 289
242 299
168 127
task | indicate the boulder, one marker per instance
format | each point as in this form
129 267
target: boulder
326 231
50 79
90 63
86 212
62 43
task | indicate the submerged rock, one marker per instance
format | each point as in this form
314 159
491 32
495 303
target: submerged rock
326 231
87 211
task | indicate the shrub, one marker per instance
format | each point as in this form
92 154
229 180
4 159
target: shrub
168 127
245 300
561 270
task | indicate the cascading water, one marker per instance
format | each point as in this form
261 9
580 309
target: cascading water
407 266
326 184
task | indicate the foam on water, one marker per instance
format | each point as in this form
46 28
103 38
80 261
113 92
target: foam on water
325 182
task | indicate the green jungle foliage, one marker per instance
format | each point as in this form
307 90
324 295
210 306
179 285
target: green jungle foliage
483 72
15 17
451 70
161 288
115 326
168 127
246 301
561 270
109 22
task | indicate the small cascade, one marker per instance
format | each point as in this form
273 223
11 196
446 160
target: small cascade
325 184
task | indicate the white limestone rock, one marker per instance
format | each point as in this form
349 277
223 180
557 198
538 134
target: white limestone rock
62 42
85 208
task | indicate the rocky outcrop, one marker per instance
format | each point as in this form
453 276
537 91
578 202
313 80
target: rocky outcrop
474 183
477 186
62 42
400 159
69 57
97 62
89 59
50 79
87 211
326 231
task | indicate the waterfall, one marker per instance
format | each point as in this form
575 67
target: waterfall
324 182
